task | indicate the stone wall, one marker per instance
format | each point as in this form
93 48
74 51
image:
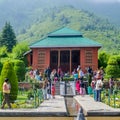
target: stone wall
28 86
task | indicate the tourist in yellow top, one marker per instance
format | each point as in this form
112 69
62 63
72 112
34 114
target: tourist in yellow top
6 92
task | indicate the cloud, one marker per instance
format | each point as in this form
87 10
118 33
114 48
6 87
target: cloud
105 1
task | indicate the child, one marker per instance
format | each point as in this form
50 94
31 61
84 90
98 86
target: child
82 88
77 86
48 90
53 91
55 76
44 89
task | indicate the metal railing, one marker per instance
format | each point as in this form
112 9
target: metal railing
111 97
26 99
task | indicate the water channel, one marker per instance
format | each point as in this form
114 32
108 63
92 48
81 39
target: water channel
73 109
57 118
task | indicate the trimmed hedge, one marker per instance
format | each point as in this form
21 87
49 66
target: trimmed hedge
113 68
68 78
20 69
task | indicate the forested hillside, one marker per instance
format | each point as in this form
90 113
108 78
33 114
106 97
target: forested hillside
22 13
89 24
33 20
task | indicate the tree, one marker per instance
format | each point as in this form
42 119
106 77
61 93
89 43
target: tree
1 65
118 60
19 50
20 70
113 69
3 52
8 72
8 37
103 59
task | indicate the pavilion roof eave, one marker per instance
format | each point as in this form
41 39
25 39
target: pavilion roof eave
64 46
27 52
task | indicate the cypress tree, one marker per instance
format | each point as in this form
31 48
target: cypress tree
1 65
8 72
8 37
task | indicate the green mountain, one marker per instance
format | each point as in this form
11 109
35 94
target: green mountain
33 20
22 13
90 25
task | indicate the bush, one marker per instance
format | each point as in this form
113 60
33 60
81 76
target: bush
112 61
20 70
68 78
103 59
30 95
112 70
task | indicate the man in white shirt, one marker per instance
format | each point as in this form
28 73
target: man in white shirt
6 93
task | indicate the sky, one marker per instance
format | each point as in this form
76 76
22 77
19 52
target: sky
95 1
105 1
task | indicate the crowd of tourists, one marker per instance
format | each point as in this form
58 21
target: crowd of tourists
95 81
49 78
48 89
52 75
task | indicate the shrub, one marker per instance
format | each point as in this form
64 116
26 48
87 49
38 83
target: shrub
30 95
20 69
103 59
68 78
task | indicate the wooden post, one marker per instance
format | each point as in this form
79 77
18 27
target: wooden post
109 97
58 58
114 98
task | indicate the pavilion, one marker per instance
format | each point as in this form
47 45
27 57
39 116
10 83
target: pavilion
66 48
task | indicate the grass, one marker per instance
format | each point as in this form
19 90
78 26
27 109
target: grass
23 101
112 100
22 97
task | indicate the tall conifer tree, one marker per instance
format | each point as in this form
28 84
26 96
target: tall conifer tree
8 37
9 72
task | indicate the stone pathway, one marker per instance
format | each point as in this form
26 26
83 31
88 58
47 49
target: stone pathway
92 108
57 107
54 106
51 107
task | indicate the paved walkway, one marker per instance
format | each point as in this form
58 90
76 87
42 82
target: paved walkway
92 108
57 107
52 107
